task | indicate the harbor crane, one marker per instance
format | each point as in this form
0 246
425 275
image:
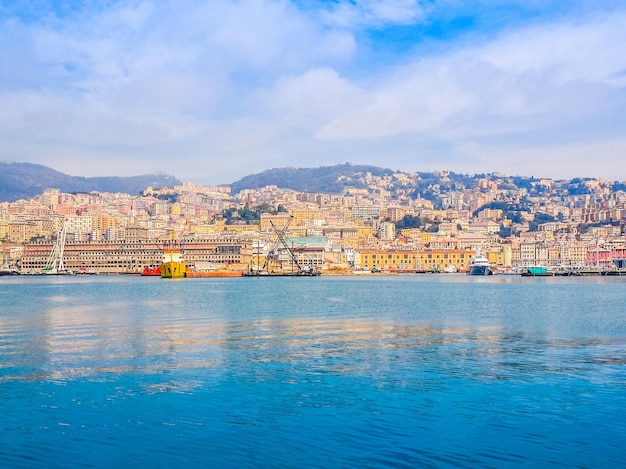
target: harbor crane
273 255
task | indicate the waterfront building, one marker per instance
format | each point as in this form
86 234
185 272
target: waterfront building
310 251
507 256
426 260
10 254
124 256
224 248
605 254
131 256
349 220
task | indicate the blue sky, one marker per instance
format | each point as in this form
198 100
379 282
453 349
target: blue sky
213 91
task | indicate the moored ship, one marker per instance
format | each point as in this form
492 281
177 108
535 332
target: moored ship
173 265
479 265
213 270
7 271
302 272
537 271
151 271
212 274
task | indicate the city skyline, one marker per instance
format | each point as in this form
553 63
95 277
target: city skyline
216 91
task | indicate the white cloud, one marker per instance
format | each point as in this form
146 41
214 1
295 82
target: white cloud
311 99
522 81
586 51
241 86
421 100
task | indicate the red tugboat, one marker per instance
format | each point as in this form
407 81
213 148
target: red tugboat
151 271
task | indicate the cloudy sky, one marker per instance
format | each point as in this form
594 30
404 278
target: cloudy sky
213 91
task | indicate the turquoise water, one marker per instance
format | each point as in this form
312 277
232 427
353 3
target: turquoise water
390 371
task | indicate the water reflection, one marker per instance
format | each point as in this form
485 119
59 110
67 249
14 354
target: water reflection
78 342
326 374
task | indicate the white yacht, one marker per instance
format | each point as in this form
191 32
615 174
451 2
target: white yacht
479 265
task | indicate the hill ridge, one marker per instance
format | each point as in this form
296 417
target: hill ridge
26 180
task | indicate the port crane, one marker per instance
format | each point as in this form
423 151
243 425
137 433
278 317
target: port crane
54 265
273 255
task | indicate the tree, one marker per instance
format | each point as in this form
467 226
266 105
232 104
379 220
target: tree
409 221
540 218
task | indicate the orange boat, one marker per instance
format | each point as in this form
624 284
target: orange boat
151 271
212 274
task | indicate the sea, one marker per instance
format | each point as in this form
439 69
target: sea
372 371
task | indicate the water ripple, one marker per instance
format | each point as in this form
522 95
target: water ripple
331 373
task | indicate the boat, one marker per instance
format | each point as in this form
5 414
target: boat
281 274
212 270
479 265
85 271
7 271
618 268
304 272
151 271
566 271
212 274
173 265
537 271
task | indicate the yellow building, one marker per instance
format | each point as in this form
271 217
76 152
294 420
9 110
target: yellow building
415 261
364 232
22 231
495 257
104 222
411 232
242 228
425 237
299 215
198 228
278 220
4 229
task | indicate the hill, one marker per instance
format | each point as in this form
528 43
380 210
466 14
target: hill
334 179
26 180
328 179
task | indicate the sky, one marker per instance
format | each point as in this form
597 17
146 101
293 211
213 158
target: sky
212 91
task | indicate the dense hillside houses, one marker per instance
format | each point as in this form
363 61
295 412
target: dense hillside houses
390 222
